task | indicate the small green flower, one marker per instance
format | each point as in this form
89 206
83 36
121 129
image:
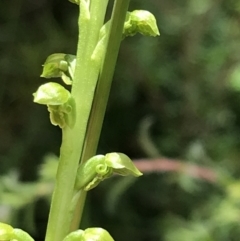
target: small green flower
54 65
59 101
51 94
8 233
100 167
140 21
60 65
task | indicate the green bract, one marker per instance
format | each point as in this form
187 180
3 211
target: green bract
51 94
90 234
100 167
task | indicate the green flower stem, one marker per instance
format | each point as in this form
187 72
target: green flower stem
83 88
102 93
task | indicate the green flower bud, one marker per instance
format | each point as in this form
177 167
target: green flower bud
21 235
140 21
90 234
6 232
121 164
74 236
51 94
145 22
96 234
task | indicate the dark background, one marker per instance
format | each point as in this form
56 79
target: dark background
174 98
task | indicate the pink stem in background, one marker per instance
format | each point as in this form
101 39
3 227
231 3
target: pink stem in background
172 165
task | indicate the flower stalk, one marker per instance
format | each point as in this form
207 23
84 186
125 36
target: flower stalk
83 87
80 113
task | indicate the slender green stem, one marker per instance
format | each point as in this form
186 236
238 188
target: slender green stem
73 138
58 223
102 92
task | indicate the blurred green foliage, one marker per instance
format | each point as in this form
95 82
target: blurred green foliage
187 81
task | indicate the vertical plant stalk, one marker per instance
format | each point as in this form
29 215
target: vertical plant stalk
83 89
102 93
